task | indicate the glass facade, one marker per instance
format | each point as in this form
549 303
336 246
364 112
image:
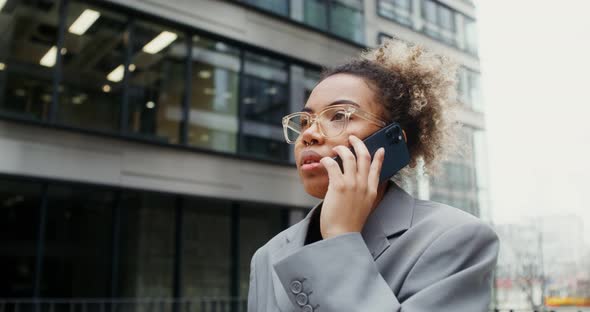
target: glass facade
77 242
120 74
343 18
97 242
155 76
213 116
28 54
89 94
280 7
265 90
19 216
456 184
397 10
470 29
347 19
438 22
469 89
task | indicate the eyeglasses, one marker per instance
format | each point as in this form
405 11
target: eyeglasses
332 121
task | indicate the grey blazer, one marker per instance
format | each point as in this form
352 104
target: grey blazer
412 256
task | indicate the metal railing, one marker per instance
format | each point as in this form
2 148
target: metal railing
217 304
201 304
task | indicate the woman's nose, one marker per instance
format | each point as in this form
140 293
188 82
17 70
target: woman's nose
312 134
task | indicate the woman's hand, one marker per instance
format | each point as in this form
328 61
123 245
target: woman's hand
351 195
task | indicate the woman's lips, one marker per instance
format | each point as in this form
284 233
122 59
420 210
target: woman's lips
310 160
311 166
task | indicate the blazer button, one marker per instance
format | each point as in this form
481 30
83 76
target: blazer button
301 299
296 287
307 308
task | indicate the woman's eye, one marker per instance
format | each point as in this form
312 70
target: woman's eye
338 117
303 123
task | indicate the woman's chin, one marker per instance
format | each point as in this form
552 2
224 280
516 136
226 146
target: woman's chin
316 186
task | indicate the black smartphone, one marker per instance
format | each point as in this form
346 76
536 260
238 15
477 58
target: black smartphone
392 139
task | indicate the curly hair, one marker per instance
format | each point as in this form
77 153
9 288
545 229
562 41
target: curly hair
417 89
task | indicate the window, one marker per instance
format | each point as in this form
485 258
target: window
280 7
257 225
446 22
156 81
470 31
439 22
93 56
343 18
213 117
475 91
146 245
19 220
397 10
28 52
206 248
315 13
347 19
264 100
77 261
456 184
469 90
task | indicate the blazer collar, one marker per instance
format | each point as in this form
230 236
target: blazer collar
393 215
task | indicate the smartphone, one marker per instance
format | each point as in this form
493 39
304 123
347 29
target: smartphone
392 139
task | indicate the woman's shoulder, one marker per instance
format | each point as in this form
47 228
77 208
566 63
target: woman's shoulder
439 218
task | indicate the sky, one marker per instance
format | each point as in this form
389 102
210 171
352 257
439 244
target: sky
535 63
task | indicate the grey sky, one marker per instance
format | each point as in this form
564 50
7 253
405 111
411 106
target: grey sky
535 59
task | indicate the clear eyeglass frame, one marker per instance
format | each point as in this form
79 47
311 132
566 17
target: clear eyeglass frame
347 109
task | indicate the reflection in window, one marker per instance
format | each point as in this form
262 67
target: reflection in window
397 10
213 120
156 82
19 218
206 255
28 54
91 89
77 242
346 19
257 225
146 245
265 102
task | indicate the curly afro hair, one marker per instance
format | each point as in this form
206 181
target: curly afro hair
417 89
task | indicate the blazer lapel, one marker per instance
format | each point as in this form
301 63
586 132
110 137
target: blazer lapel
392 216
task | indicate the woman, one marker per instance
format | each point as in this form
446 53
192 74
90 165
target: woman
370 246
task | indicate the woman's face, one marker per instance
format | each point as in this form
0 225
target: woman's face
336 89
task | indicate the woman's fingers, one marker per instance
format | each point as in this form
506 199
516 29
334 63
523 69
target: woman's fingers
334 173
375 170
348 161
363 158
